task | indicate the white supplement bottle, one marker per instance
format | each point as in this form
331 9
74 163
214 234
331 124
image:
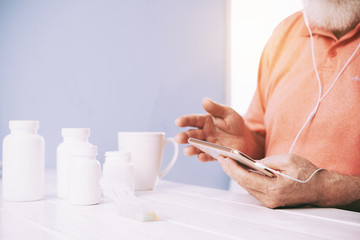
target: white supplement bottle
84 179
23 162
117 173
72 139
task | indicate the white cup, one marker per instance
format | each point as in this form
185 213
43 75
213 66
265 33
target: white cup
147 150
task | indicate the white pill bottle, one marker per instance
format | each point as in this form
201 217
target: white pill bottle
117 174
84 178
72 139
23 162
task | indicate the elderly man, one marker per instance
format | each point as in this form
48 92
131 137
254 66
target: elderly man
304 115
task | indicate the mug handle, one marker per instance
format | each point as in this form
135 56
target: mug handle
174 157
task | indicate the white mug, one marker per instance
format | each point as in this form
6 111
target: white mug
146 150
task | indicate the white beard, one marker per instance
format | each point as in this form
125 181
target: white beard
337 16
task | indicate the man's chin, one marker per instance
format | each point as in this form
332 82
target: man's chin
336 16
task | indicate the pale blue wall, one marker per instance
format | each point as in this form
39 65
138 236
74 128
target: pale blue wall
121 65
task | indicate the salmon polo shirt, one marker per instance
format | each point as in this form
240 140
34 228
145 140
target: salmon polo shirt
288 91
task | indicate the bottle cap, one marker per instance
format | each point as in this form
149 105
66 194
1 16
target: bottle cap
23 124
118 155
75 132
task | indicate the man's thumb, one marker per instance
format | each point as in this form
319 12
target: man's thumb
215 109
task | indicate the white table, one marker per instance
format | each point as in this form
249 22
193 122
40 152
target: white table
189 212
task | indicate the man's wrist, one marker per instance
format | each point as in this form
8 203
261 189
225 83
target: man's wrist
335 190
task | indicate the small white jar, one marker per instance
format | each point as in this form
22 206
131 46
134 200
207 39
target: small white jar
72 139
23 162
118 173
84 178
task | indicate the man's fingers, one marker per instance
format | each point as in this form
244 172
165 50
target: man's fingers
202 157
190 151
198 120
215 109
183 137
245 178
194 120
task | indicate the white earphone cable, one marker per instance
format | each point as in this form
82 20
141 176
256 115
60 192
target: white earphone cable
295 179
341 71
287 176
320 98
312 114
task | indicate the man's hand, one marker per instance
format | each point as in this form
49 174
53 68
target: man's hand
222 125
324 189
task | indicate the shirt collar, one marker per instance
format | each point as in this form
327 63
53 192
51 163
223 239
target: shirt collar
325 33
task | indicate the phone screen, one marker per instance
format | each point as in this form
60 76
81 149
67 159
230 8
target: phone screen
215 151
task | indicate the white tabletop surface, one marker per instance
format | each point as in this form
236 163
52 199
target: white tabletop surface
188 212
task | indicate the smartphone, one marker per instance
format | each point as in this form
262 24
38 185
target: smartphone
215 151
